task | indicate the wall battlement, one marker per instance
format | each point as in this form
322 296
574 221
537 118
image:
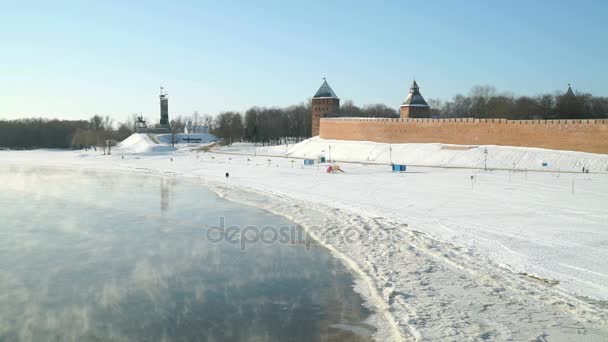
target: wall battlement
574 135
472 120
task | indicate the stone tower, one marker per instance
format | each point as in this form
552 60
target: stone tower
164 108
414 105
324 102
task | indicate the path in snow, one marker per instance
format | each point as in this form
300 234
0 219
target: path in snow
432 290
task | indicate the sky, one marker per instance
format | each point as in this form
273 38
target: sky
73 59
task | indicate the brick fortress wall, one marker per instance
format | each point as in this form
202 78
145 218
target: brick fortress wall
572 135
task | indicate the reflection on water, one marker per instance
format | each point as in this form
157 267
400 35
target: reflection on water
89 256
165 187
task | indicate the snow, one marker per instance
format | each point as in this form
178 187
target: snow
435 155
141 143
438 253
179 138
415 105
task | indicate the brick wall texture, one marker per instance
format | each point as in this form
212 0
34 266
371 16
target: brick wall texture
320 108
571 135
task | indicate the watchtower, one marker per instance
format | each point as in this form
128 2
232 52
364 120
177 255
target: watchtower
414 105
324 102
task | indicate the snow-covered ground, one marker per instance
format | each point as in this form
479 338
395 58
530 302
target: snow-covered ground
187 139
439 254
141 143
436 155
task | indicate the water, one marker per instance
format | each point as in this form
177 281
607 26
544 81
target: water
99 256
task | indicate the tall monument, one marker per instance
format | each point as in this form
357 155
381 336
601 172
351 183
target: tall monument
324 102
414 105
164 108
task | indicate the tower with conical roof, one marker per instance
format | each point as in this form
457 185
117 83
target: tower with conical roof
569 92
414 105
569 106
324 102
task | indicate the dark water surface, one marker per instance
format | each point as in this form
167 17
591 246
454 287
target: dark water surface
88 256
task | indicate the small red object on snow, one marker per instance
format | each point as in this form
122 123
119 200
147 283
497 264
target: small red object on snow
330 169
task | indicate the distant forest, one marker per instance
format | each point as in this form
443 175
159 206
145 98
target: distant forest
486 102
293 123
45 133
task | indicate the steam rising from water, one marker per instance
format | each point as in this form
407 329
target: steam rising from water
86 255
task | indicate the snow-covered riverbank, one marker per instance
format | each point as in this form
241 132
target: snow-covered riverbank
434 155
426 244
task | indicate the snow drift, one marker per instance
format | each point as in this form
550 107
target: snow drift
182 138
435 154
141 143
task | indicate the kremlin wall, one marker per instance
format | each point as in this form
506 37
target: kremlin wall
573 135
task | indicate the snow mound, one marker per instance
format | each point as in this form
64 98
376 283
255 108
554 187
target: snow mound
141 143
434 155
188 138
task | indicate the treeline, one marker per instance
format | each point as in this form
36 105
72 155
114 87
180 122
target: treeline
279 125
38 133
349 109
486 102
52 133
264 125
99 130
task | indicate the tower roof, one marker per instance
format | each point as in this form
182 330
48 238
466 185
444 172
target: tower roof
414 98
569 92
325 91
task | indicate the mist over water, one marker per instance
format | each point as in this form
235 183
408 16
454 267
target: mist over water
100 256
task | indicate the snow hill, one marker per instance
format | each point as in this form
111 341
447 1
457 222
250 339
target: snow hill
433 154
141 143
182 138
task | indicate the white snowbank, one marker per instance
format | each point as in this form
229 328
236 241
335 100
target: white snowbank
141 143
182 138
441 155
550 224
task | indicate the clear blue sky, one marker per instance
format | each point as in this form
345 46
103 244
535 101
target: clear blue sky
72 59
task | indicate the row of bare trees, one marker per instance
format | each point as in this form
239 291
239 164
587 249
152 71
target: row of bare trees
53 133
265 125
486 102
33 133
98 130
280 125
38 133
348 108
